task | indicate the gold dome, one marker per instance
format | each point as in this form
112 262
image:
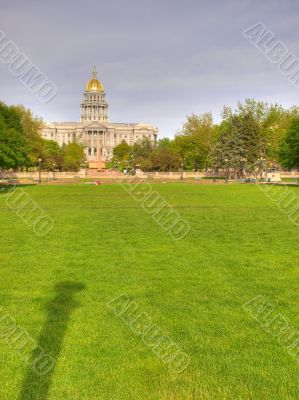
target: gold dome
94 85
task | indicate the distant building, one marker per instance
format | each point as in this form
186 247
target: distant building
94 131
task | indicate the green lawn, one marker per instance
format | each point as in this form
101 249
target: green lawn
103 245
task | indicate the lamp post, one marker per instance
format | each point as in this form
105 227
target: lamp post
39 171
133 164
226 169
86 164
54 165
182 171
243 163
262 163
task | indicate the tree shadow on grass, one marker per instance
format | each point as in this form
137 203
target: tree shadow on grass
5 189
39 374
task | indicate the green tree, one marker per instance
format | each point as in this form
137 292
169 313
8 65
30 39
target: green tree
194 142
13 145
289 153
73 156
275 128
272 120
142 149
141 154
122 152
164 156
165 144
52 154
240 138
165 160
31 127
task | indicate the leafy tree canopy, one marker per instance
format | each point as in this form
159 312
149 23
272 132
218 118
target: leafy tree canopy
73 156
289 153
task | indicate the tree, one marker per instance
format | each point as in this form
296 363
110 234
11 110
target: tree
223 149
165 160
142 149
13 145
240 138
141 154
122 152
275 128
164 156
52 154
289 153
73 155
272 120
194 141
165 144
31 127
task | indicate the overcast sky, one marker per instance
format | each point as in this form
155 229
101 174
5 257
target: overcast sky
158 60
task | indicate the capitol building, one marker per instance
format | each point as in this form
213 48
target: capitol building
94 131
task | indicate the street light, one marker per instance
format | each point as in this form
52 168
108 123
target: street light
227 172
243 162
132 164
85 166
262 163
54 165
39 170
182 171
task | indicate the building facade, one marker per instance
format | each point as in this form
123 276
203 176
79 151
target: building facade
94 131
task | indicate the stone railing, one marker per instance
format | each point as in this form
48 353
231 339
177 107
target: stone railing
90 173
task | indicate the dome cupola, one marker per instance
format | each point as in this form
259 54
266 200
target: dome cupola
94 85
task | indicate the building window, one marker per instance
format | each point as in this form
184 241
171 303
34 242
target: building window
89 151
95 151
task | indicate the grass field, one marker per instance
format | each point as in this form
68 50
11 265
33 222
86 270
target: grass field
103 245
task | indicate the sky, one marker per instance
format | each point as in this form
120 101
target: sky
159 61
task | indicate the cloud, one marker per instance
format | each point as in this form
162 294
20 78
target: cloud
159 61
